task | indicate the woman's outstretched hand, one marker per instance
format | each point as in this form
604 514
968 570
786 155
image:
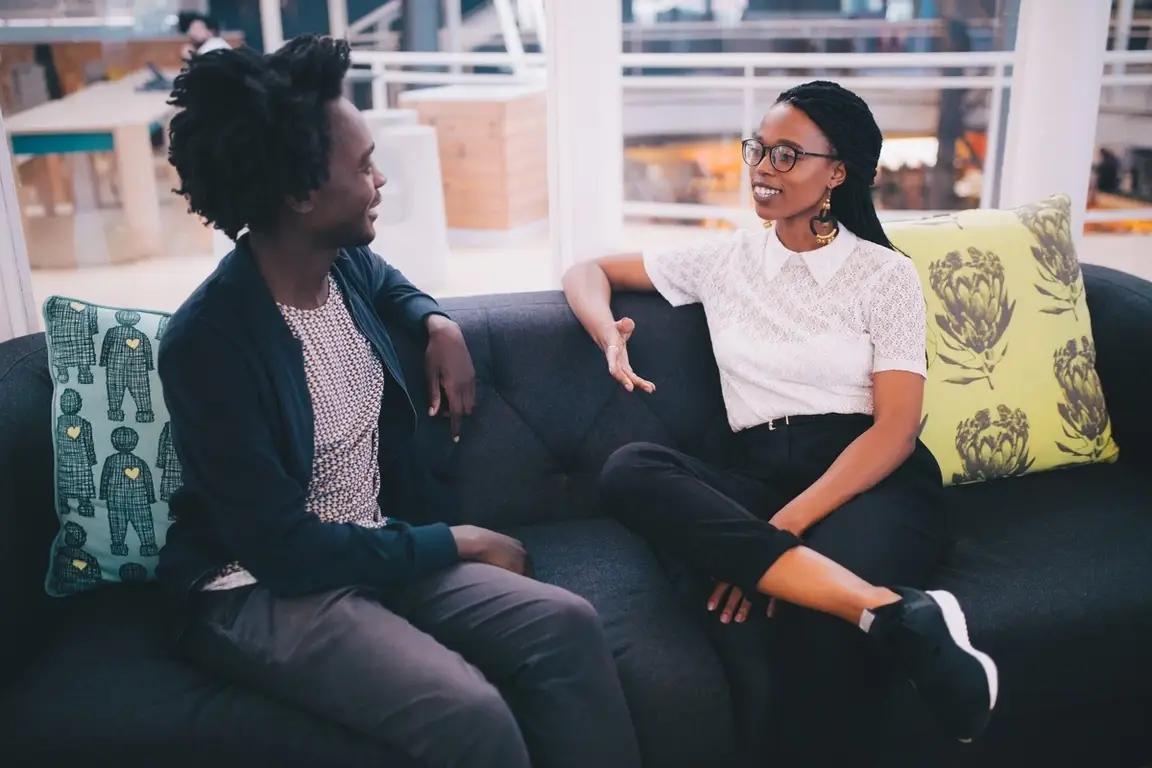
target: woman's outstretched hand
616 351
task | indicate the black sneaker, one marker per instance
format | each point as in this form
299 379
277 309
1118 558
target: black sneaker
927 635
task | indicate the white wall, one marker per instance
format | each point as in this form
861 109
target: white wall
18 315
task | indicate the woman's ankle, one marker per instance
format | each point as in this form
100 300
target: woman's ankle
880 596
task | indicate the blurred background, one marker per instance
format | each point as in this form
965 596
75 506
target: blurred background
458 93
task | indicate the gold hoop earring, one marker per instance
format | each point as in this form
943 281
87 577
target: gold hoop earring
825 218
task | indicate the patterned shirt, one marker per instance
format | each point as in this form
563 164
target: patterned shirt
346 383
798 333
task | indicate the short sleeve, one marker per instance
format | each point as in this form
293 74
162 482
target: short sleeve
682 275
897 320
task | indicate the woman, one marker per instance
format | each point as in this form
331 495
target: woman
818 327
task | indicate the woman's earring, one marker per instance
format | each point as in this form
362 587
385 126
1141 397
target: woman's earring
768 224
825 219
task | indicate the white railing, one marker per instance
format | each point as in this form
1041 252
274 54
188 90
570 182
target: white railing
754 73
384 68
67 22
377 19
18 14
372 29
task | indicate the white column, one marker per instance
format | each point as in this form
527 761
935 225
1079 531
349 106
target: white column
18 312
1124 10
452 25
271 25
337 18
1057 73
585 130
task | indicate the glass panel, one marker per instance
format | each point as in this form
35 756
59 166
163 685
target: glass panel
681 142
465 209
682 145
1122 171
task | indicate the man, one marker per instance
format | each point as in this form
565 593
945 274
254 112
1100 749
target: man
203 34
290 417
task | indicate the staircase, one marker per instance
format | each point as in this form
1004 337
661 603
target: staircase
379 30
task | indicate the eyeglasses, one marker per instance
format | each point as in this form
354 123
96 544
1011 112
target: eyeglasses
782 156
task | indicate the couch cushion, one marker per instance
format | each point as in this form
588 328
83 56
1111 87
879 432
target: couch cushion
1012 381
110 675
548 414
115 465
1055 575
673 681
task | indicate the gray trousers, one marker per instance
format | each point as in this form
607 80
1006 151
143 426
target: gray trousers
474 666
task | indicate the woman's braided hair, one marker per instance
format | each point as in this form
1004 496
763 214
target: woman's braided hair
856 139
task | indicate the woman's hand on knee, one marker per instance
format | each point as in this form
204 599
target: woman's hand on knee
731 602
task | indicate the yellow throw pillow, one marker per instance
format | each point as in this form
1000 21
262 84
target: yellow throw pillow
1012 385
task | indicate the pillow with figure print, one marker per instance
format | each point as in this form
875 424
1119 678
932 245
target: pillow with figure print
115 468
1012 385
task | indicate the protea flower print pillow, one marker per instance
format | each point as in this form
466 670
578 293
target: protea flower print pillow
1012 384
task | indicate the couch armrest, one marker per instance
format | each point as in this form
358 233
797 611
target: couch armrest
27 518
1121 308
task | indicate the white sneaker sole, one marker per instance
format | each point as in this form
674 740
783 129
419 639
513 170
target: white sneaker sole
958 628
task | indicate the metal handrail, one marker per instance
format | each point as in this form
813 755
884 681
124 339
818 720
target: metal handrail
385 14
738 216
817 60
1127 57
443 58
718 60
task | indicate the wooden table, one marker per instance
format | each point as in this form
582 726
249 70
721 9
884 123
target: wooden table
493 144
106 117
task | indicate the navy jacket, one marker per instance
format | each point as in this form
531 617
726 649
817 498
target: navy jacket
242 427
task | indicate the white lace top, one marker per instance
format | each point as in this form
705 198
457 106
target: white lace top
798 333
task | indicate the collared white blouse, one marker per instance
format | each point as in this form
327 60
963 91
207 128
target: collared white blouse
798 333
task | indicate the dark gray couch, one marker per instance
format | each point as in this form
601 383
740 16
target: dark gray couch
1055 568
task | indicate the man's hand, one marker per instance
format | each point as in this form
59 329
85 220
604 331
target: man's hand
614 343
483 546
448 366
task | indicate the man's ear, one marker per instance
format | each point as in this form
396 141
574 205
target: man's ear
301 206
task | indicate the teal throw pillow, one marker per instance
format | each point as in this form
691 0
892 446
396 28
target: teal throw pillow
115 466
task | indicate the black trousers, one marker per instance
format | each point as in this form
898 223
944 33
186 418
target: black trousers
806 686
472 667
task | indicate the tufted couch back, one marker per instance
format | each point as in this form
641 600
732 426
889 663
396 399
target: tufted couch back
547 417
548 414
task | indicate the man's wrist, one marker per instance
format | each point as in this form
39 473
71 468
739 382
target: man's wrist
467 542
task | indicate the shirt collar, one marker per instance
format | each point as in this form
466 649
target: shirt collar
822 263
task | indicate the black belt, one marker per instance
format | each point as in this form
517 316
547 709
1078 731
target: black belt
815 418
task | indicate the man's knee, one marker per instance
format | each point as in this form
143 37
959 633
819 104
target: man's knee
568 615
628 469
474 724
484 729
484 709
569 633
